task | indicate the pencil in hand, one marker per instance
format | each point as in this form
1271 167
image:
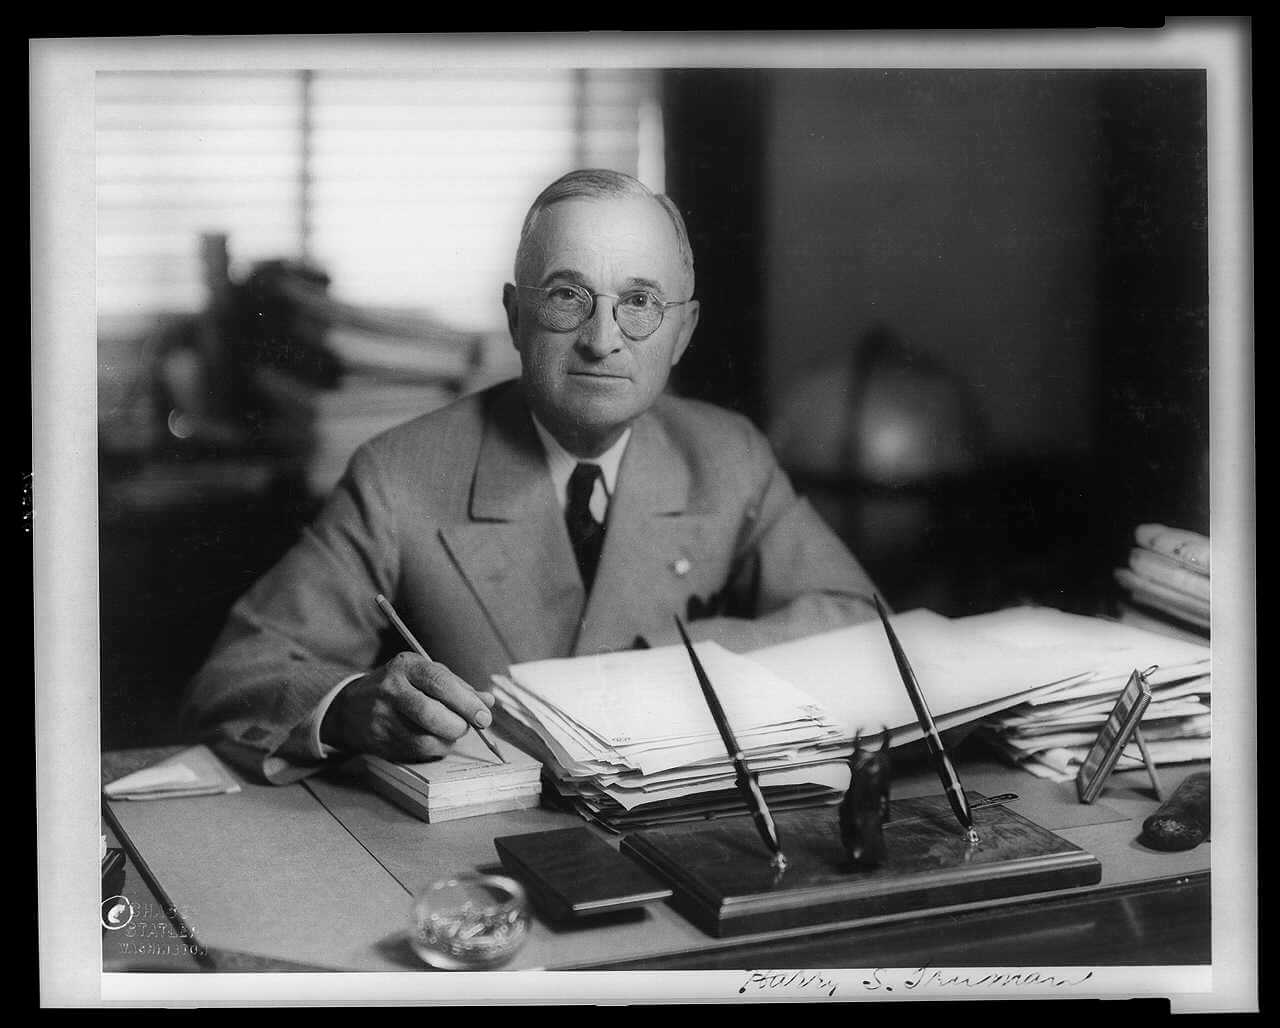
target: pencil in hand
417 648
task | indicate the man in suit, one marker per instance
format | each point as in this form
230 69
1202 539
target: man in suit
573 511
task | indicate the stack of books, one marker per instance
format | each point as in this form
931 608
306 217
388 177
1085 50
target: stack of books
627 739
395 365
468 781
1168 574
1050 734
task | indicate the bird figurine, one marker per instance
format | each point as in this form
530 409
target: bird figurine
865 806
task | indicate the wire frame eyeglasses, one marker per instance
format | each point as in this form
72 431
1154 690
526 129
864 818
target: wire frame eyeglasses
563 308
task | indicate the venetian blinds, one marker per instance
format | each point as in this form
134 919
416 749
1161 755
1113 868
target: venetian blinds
182 154
408 189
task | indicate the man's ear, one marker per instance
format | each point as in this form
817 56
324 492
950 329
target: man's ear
691 310
511 302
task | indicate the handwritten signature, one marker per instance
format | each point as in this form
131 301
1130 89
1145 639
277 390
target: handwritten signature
788 980
889 980
919 979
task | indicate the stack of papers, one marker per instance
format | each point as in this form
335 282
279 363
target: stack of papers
963 674
1050 734
467 781
627 737
624 731
1168 573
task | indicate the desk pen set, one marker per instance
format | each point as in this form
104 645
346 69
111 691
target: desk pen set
872 858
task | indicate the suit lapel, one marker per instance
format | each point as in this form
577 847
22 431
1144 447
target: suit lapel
651 544
515 552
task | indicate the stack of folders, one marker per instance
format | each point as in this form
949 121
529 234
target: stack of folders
468 781
628 741
1168 574
1050 734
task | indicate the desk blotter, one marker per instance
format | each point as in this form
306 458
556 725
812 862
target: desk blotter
723 882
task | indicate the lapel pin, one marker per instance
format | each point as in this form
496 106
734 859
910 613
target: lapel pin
681 566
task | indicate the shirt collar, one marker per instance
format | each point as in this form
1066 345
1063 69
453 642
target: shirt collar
560 462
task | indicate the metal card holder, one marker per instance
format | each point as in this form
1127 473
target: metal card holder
1120 729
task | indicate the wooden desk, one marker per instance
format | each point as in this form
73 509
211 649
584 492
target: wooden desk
319 876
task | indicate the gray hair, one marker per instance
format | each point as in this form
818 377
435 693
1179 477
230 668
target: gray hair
599 184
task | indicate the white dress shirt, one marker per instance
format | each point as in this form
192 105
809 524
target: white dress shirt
560 463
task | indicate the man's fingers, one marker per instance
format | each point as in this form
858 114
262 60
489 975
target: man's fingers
441 684
424 714
411 709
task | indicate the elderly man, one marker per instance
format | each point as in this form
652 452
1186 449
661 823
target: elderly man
572 511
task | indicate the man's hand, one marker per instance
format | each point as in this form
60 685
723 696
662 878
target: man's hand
410 710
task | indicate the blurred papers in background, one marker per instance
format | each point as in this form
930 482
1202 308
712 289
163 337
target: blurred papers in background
1168 575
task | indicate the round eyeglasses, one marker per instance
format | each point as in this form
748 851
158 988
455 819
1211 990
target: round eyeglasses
563 308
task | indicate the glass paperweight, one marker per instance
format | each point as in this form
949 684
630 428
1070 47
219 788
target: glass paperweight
469 922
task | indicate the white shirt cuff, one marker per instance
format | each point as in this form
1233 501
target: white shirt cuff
322 750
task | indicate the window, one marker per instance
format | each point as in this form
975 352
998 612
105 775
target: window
408 189
183 154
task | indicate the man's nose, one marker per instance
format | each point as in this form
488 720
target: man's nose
600 334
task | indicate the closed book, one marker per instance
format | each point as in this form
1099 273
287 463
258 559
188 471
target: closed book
467 781
571 873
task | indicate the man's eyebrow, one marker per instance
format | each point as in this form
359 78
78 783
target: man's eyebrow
644 283
564 275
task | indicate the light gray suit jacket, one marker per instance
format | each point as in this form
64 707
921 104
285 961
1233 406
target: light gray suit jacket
453 517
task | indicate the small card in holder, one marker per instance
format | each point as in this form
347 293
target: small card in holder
570 873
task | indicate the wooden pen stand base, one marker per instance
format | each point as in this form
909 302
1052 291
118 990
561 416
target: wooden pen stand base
723 882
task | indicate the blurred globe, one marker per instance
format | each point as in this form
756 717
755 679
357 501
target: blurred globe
884 441
883 413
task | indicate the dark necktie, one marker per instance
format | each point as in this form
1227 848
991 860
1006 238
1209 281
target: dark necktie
585 532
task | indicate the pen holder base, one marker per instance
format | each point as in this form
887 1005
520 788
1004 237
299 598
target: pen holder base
723 882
